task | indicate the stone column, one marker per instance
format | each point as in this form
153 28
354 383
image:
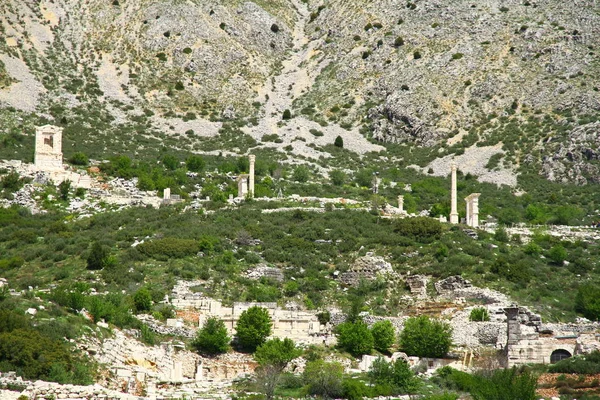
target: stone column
472 201
453 205
401 203
252 159
167 194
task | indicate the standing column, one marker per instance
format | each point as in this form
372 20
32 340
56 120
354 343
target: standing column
453 206
401 203
469 206
475 210
252 159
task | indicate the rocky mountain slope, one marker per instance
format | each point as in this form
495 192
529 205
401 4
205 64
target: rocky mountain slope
519 75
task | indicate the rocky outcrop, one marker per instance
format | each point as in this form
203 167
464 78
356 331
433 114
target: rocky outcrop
368 267
576 160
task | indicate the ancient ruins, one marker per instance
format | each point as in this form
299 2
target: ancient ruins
245 182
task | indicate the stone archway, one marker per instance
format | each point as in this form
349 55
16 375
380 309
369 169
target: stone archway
558 355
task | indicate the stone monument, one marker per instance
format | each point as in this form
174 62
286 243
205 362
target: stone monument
252 159
472 201
453 205
48 148
401 203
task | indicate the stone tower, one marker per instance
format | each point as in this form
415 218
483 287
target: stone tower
48 148
472 201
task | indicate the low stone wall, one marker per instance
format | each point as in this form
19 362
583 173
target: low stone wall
42 390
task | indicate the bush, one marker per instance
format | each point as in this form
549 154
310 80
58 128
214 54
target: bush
587 301
506 384
301 174
170 248
416 55
355 389
287 114
274 28
253 328
323 378
397 375
479 314
420 228
195 163
79 158
383 335
355 338
212 338
425 337
142 299
586 365
339 142
557 254
98 257
399 41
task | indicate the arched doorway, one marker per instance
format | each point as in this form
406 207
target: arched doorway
558 355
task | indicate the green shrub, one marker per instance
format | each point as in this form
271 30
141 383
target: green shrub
420 228
301 174
557 254
212 338
457 56
399 41
195 163
287 114
587 301
398 375
416 54
509 384
588 364
170 248
324 379
355 389
339 142
98 257
142 299
79 158
425 337
479 314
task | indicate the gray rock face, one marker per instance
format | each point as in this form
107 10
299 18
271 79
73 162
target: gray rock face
576 160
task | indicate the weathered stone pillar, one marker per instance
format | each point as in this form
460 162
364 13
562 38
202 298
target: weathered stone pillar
167 194
513 327
252 159
453 202
472 201
401 203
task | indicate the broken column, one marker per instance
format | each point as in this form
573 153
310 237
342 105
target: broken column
472 201
167 194
48 148
401 203
242 186
252 159
453 205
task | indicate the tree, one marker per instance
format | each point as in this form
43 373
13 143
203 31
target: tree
425 337
397 374
323 378
253 328
63 188
273 356
98 257
383 335
170 162
339 142
142 299
195 163
355 338
212 338
287 114
338 177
